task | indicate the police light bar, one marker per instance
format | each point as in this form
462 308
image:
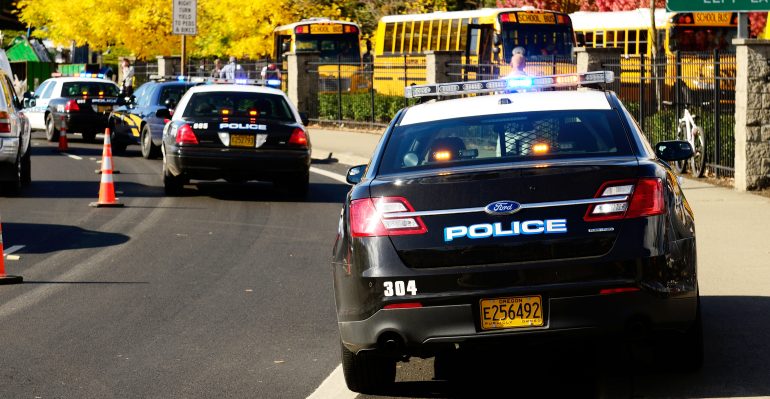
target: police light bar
509 84
210 80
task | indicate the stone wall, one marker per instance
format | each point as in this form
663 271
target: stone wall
752 114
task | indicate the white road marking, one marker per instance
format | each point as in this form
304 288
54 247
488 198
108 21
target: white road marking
12 249
333 387
331 175
75 157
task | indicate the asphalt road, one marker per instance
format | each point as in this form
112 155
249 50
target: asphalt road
226 292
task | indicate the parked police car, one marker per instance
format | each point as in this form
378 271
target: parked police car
137 122
496 217
236 132
81 104
15 143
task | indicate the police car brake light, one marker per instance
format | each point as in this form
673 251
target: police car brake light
185 135
298 137
377 217
627 199
71 105
5 123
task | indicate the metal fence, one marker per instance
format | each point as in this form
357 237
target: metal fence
657 91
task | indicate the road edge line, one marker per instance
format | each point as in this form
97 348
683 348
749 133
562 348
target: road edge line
333 387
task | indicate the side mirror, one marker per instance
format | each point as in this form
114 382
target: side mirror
163 113
497 40
28 94
303 117
170 103
29 102
355 174
674 150
285 47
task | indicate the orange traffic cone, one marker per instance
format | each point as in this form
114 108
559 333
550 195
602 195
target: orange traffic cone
107 186
107 149
63 145
4 278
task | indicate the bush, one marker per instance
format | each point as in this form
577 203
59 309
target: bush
358 106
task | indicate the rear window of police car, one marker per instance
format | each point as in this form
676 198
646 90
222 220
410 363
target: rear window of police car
505 138
238 104
75 89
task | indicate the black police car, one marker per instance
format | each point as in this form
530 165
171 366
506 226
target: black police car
496 217
236 132
138 122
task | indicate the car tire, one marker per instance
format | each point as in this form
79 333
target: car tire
26 168
367 372
13 187
51 133
172 185
149 150
89 137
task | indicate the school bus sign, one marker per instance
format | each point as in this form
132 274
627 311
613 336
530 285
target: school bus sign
717 5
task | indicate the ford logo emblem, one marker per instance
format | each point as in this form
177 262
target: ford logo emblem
502 208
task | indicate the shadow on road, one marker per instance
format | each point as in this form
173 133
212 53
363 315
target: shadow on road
737 342
267 192
87 189
46 238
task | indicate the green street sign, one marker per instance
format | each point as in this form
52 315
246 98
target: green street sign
717 5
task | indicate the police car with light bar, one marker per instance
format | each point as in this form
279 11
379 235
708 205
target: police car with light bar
523 213
80 104
235 131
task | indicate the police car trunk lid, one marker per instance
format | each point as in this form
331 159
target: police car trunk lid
464 228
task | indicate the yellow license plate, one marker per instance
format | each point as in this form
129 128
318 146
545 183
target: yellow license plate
242 140
104 108
513 312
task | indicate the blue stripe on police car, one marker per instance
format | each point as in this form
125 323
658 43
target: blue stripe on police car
487 230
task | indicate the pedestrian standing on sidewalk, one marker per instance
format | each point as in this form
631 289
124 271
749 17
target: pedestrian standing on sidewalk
127 85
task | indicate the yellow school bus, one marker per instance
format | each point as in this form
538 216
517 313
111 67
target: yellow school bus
486 38
688 33
337 42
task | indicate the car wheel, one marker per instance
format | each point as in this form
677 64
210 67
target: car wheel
367 372
149 150
172 185
89 137
12 187
51 133
26 168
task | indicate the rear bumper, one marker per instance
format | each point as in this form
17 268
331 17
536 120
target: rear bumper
212 164
79 123
421 329
9 149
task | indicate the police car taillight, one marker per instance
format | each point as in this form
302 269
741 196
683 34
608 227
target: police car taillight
71 105
298 137
627 199
185 135
5 122
372 217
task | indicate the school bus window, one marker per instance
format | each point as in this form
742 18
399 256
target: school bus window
642 42
435 37
633 45
411 48
456 33
402 40
463 35
388 42
474 44
589 39
610 38
423 39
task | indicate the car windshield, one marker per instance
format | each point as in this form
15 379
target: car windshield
505 138
239 104
75 89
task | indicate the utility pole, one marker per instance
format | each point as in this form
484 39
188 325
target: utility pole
653 38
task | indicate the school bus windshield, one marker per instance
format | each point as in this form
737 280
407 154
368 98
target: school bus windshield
330 46
537 39
688 38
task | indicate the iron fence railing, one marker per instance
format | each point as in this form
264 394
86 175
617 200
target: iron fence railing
657 90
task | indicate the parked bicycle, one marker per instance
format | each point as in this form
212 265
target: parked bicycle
690 131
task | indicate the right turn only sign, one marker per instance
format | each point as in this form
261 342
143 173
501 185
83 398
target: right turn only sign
717 5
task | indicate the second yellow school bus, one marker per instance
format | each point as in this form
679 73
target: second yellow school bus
485 38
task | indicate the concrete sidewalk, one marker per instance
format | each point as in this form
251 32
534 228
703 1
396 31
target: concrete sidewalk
732 227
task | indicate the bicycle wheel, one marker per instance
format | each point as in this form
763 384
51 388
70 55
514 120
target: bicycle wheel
698 160
681 166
